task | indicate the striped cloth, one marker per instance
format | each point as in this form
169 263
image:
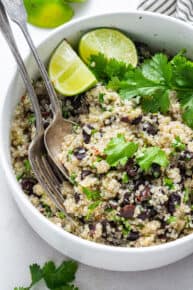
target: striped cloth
182 9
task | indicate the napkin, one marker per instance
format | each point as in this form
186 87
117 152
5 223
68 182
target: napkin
181 9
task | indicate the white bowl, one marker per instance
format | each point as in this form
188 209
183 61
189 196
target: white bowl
156 30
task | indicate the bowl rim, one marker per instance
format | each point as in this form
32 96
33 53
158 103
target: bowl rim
9 173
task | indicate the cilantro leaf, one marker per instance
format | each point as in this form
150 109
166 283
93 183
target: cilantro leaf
105 69
55 278
118 150
152 81
58 277
158 69
36 274
182 72
178 144
151 155
90 194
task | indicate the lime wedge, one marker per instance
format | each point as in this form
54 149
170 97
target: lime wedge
48 13
110 42
68 73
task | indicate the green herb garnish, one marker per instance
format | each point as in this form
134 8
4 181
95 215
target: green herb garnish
151 155
27 165
169 183
125 177
60 278
153 81
91 195
73 178
31 119
171 219
101 98
178 144
118 150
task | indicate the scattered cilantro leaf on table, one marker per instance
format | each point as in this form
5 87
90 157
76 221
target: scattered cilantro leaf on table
151 155
153 81
55 278
118 150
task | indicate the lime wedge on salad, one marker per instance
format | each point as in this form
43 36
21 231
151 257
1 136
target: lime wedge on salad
68 73
48 13
110 42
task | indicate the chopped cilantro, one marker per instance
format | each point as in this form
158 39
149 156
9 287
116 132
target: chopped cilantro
31 119
118 150
93 131
152 81
187 195
151 155
178 144
91 208
65 113
73 178
61 215
125 177
171 219
91 195
69 155
19 176
27 165
101 98
55 278
169 183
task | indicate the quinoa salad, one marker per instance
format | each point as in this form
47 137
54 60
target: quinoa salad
130 170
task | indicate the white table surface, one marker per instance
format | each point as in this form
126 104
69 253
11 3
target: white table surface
21 246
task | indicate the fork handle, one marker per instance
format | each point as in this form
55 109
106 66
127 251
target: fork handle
56 108
8 35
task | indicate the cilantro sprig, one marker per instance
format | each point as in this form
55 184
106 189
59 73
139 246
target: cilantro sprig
118 150
151 155
152 81
55 278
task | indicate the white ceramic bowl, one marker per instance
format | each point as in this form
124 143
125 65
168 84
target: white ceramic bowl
155 30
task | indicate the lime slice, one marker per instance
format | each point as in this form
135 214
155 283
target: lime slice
68 73
110 42
48 13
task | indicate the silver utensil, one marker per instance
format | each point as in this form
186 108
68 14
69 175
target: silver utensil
41 164
59 127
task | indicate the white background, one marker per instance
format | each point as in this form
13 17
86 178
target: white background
21 246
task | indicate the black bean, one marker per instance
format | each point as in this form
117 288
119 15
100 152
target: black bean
125 119
80 153
133 236
152 212
92 227
86 133
186 155
77 197
127 211
144 194
143 216
28 184
85 173
150 128
139 182
131 168
137 120
173 200
126 198
156 170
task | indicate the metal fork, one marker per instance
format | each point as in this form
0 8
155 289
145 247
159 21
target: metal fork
40 162
59 127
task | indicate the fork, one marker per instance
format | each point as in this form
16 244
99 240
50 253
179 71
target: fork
59 127
44 170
